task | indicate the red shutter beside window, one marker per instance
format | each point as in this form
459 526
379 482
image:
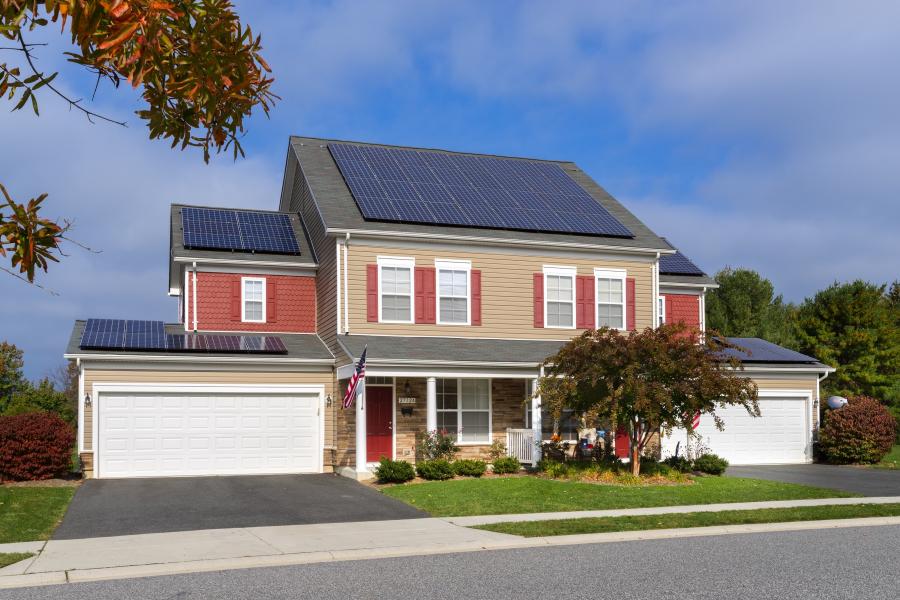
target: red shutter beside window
476 297
426 298
236 299
271 301
371 293
538 299
584 302
629 302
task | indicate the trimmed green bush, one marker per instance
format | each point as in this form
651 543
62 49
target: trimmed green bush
435 470
553 468
863 431
469 467
394 471
680 463
711 464
506 464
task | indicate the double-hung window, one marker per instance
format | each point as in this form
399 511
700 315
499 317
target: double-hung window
464 409
453 292
610 298
661 310
559 297
253 300
395 297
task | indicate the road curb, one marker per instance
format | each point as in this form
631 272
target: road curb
506 543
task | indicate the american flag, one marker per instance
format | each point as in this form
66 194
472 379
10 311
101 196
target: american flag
360 373
695 423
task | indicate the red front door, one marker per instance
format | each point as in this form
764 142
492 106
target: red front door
379 423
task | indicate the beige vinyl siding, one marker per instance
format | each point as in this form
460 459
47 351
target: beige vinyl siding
796 382
325 378
506 290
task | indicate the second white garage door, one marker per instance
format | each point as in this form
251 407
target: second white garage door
779 436
177 434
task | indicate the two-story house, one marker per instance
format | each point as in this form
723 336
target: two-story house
457 273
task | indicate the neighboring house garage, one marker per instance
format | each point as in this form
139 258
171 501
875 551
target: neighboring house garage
166 414
788 403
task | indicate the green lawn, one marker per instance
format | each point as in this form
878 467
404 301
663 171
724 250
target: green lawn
672 521
8 559
892 460
509 495
31 513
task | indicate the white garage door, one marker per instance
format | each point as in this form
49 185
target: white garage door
157 435
778 436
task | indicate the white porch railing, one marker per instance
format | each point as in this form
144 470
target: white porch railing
520 444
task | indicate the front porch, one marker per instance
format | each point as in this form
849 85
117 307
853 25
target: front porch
393 410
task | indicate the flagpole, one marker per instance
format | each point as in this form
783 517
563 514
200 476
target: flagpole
360 392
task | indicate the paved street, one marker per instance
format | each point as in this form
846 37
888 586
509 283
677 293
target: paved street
821 564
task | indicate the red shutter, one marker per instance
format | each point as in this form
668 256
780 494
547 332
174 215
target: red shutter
236 299
629 302
425 299
623 442
371 293
538 299
670 311
271 301
584 302
476 297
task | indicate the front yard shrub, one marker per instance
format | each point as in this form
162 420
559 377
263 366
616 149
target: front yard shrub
552 468
711 464
497 450
394 471
435 470
35 446
506 464
469 467
680 463
863 431
436 445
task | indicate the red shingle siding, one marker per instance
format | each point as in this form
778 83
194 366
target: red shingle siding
293 307
684 308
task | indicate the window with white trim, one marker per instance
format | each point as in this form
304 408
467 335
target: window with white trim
454 305
253 300
395 293
567 427
559 297
610 298
464 409
661 302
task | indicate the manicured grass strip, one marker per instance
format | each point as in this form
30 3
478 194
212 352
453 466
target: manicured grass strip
463 497
892 460
31 513
673 521
9 559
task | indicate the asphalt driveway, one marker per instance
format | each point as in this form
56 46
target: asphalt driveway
108 507
868 482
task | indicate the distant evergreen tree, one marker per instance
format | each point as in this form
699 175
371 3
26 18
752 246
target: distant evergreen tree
745 305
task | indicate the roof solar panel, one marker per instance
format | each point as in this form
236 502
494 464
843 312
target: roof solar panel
145 335
759 350
103 334
420 186
246 231
678 264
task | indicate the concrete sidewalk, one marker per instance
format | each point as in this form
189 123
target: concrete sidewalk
662 510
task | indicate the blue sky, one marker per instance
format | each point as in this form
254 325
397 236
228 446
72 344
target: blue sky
757 134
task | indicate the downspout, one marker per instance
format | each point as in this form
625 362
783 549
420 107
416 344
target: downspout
339 307
346 289
655 311
194 294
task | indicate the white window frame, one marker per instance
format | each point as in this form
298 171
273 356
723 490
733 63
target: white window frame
460 437
661 310
262 281
622 275
452 265
402 263
570 272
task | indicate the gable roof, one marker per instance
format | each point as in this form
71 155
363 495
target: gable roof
341 213
678 269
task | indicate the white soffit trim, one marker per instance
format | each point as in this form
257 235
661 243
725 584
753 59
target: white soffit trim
245 264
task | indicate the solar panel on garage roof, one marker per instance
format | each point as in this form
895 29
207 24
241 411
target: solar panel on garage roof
759 350
145 335
677 264
103 333
246 231
417 186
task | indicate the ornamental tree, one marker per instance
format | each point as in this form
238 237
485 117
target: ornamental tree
200 71
645 382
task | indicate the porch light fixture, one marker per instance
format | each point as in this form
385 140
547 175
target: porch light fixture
328 400
87 399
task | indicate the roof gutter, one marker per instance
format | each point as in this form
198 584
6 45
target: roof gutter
498 241
199 359
235 261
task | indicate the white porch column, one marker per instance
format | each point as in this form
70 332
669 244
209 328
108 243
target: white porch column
361 429
430 404
536 421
